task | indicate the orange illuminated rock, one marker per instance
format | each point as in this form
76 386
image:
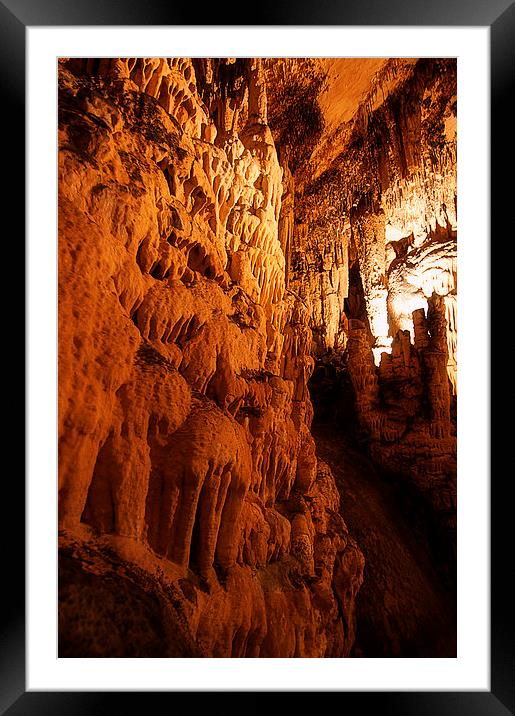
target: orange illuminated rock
188 479
224 223
405 405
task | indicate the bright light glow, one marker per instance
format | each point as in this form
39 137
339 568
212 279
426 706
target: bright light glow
378 353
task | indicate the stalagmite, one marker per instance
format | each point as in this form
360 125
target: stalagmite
223 225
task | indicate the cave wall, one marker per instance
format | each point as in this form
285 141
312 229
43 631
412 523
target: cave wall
222 224
380 192
374 255
188 477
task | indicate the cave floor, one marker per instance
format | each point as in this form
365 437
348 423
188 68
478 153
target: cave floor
404 608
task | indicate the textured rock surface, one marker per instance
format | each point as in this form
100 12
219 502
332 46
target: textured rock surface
373 250
222 225
187 472
404 608
378 193
405 406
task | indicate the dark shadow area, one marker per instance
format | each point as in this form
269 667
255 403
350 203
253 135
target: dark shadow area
110 607
407 604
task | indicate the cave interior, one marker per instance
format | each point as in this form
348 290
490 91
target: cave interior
257 290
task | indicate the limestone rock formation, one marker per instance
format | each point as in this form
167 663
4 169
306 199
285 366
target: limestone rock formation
187 473
373 250
379 193
404 406
223 225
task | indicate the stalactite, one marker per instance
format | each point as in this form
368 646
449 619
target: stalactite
217 236
183 426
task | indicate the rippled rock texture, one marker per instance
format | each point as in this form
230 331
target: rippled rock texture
377 194
194 516
374 249
223 223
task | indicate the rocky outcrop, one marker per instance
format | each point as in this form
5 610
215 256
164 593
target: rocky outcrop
223 225
404 407
374 254
188 478
404 607
379 193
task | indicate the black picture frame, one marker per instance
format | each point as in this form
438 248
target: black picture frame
15 17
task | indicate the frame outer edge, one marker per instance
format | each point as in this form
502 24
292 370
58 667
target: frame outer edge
12 629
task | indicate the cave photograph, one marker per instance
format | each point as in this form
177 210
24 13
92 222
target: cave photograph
257 340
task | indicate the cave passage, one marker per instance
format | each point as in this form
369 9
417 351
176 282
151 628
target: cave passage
244 242
407 605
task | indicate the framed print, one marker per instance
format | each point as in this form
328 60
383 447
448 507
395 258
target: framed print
245 383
